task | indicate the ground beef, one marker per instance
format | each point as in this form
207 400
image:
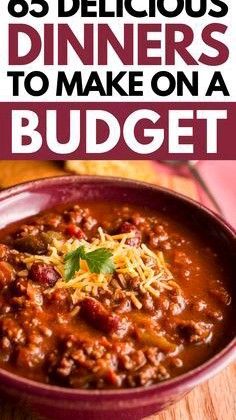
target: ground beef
127 227
99 317
194 332
44 274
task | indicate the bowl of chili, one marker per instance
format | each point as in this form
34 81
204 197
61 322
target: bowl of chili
117 297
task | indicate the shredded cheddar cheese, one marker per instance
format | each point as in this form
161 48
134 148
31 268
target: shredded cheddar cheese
140 263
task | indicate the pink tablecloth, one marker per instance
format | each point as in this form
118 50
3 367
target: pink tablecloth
221 179
220 176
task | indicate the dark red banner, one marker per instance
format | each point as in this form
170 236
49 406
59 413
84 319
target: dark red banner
118 130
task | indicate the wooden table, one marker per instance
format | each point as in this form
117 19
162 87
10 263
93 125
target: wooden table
215 400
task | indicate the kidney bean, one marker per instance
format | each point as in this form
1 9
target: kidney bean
43 274
75 231
98 316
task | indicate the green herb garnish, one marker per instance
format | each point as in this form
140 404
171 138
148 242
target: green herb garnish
99 261
72 262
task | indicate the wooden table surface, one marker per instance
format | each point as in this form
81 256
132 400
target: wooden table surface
214 400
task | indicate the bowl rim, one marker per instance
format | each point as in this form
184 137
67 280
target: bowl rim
185 381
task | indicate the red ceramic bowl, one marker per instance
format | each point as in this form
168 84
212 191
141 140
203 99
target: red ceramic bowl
60 403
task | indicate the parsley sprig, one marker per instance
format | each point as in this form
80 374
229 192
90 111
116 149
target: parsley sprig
99 261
